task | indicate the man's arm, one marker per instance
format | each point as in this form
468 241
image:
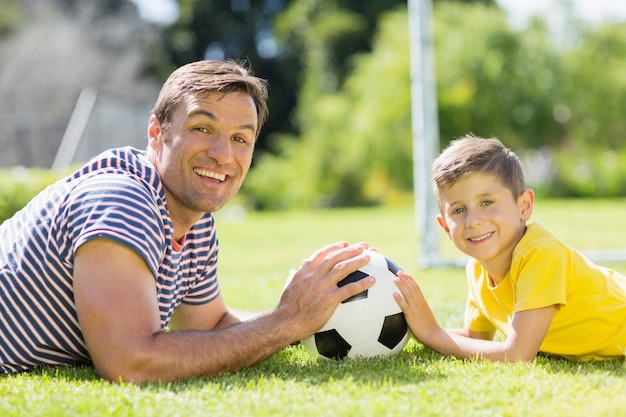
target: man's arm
118 312
194 317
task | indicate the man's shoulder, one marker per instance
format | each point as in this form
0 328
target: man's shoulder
118 166
126 160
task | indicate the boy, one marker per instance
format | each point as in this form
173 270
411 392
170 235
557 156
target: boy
540 293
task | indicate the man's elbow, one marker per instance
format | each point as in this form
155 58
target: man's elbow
131 368
121 374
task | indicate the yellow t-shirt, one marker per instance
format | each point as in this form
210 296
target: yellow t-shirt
590 320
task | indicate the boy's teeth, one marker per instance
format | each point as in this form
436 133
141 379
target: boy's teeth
479 238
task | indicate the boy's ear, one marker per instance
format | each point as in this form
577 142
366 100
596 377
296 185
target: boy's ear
443 224
526 202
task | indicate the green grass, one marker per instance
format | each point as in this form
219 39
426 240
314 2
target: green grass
256 255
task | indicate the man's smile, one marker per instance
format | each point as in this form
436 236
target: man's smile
209 174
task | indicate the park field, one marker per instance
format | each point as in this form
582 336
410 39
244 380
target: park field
258 250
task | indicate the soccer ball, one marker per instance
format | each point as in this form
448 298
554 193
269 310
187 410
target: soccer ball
367 324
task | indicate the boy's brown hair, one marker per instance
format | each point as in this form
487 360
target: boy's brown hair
471 154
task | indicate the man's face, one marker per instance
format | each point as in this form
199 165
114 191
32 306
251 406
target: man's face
205 153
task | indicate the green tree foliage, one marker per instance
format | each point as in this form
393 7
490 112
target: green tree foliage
590 161
355 141
10 17
594 91
493 81
20 185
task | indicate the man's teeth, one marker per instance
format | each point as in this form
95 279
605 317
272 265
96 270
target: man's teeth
479 238
209 174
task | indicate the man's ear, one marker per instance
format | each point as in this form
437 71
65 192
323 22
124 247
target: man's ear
526 201
442 222
155 133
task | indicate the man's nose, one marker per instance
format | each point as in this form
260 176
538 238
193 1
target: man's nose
221 149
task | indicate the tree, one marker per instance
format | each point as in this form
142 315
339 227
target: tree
593 98
494 81
10 17
355 143
351 134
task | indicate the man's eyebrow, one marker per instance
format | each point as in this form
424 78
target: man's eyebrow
208 114
200 112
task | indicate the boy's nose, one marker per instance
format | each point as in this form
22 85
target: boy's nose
473 218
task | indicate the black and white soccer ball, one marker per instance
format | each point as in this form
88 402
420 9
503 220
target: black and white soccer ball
368 324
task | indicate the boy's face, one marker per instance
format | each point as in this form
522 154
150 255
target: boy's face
485 220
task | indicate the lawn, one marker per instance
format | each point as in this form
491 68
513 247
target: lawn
257 251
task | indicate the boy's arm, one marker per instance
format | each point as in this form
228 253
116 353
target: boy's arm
528 330
474 335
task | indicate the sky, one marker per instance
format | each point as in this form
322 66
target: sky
159 11
165 11
593 11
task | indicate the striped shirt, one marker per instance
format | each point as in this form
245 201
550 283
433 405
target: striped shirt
117 195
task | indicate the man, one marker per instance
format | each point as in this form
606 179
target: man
115 265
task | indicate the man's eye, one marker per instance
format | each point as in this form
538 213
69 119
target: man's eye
202 129
239 139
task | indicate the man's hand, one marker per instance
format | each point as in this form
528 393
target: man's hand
312 295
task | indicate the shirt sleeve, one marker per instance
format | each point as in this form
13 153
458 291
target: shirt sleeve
539 275
119 208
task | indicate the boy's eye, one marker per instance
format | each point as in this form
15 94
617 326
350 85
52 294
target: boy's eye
487 202
458 210
202 129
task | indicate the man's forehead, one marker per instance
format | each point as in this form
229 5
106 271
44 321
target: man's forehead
235 106
237 101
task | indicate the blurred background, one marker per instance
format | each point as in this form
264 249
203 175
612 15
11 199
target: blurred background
546 77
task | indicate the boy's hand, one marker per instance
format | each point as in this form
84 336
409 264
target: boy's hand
417 312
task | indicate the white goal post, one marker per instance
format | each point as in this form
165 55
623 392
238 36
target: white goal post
425 129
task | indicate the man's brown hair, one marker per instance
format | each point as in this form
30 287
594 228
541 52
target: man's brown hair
204 77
